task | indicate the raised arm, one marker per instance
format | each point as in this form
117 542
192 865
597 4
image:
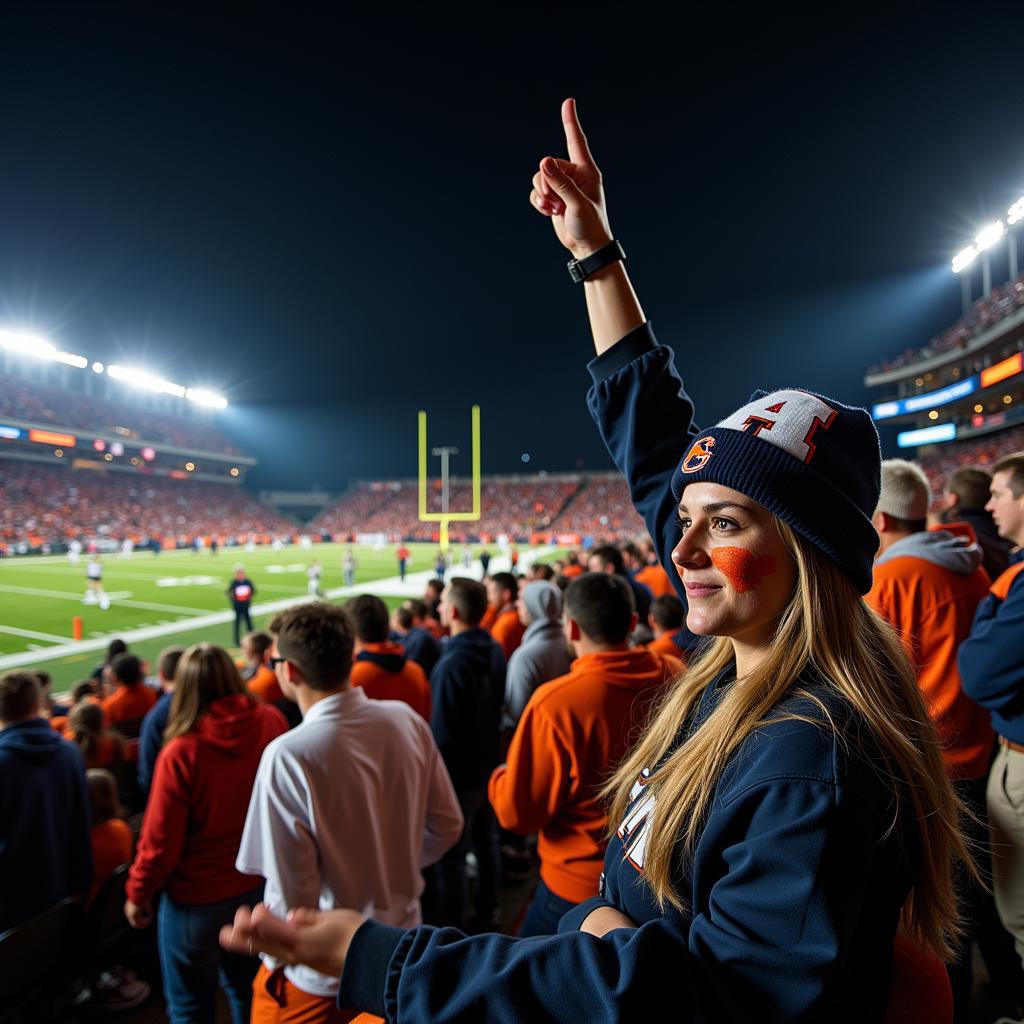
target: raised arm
638 401
571 193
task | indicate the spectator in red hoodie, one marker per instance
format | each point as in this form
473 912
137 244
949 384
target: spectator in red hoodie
381 666
191 832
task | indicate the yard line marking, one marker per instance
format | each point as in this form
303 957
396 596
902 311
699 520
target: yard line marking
392 586
117 596
34 635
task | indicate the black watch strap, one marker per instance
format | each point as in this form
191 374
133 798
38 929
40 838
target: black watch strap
580 270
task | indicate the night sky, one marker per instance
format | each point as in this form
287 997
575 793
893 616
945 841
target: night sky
325 216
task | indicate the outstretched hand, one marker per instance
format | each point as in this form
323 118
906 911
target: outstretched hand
317 938
570 192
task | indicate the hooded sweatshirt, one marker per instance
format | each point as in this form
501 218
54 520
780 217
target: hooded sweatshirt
198 802
385 672
928 586
574 732
45 844
544 653
469 689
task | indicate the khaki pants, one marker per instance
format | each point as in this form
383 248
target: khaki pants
1005 798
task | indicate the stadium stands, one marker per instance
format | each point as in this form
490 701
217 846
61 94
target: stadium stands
42 504
985 313
939 462
595 505
37 403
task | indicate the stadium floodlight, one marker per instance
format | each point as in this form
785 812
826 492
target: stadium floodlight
964 258
97 367
203 397
27 344
1015 212
142 379
989 235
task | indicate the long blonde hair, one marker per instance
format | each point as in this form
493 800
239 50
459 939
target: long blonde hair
826 628
204 673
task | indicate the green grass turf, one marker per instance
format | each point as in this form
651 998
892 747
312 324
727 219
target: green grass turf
43 594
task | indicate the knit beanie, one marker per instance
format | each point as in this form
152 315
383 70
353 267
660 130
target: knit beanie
906 493
810 460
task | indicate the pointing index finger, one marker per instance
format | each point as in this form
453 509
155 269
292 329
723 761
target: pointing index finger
579 151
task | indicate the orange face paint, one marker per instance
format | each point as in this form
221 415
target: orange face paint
743 569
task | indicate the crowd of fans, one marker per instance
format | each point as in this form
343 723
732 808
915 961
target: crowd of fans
38 403
596 506
942 461
42 504
985 313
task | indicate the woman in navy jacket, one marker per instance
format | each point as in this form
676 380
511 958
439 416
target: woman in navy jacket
786 811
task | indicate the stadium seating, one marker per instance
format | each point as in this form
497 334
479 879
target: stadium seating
942 460
36 964
45 504
985 313
595 506
37 403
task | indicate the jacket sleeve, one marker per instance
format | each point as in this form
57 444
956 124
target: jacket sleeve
80 851
519 676
149 747
754 952
444 821
277 840
164 829
528 790
645 418
991 665
442 718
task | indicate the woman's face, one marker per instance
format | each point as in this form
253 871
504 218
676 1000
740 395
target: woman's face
736 568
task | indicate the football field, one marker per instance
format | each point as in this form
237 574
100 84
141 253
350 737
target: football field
178 597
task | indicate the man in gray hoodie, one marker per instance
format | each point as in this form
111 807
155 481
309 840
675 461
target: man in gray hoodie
542 655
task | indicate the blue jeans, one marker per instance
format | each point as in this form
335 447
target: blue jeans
191 960
545 911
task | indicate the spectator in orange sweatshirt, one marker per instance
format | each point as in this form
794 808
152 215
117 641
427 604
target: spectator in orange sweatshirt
666 619
650 573
502 592
191 832
257 674
574 732
88 731
131 698
381 666
928 585
111 836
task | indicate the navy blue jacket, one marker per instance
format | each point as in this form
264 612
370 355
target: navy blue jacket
991 659
469 690
151 739
796 884
45 840
421 647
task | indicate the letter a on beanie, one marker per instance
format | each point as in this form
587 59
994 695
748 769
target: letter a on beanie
812 461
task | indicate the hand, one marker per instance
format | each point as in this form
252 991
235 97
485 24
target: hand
605 919
317 938
138 916
571 193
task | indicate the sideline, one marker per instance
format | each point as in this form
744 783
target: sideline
391 586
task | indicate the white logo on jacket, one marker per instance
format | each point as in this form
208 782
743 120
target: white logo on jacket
633 831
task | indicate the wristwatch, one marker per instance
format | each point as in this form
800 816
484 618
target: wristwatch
580 270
